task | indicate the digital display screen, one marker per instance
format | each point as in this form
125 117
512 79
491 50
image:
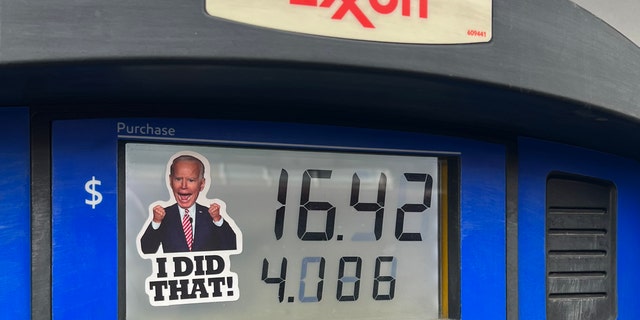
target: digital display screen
281 233
300 221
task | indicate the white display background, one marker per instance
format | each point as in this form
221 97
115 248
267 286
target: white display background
247 180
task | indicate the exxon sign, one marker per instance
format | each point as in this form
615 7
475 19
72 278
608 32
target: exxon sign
399 21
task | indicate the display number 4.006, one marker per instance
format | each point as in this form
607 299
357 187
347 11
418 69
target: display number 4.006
376 208
353 280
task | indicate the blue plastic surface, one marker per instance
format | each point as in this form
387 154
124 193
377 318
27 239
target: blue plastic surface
85 256
537 160
15 242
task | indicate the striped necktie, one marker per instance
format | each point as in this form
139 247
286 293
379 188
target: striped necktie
186 226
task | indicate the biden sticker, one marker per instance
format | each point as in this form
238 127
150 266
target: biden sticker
189 239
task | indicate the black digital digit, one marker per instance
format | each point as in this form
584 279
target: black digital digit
391 279
414 207
377 207
280 281
282 199
342 279
306 206
303 275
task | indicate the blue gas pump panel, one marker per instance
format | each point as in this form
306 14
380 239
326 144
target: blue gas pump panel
189 217
15 234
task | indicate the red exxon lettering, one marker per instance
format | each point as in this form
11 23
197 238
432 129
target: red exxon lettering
391 6
383 8
422 8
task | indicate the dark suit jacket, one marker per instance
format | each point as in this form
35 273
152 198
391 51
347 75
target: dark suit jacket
208 236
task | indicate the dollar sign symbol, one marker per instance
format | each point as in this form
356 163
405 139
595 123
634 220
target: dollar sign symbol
96 197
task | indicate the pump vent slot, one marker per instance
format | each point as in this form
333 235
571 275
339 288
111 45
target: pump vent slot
580 248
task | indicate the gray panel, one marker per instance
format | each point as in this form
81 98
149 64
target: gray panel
565 219
621 14
589 282
587 307
578 242
548 46
576 263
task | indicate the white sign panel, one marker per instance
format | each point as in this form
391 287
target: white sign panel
399 21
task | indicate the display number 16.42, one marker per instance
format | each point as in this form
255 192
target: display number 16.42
376 208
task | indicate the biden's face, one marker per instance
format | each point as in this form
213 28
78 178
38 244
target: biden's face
186 182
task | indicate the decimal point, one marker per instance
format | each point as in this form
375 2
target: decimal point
290 299
339 237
